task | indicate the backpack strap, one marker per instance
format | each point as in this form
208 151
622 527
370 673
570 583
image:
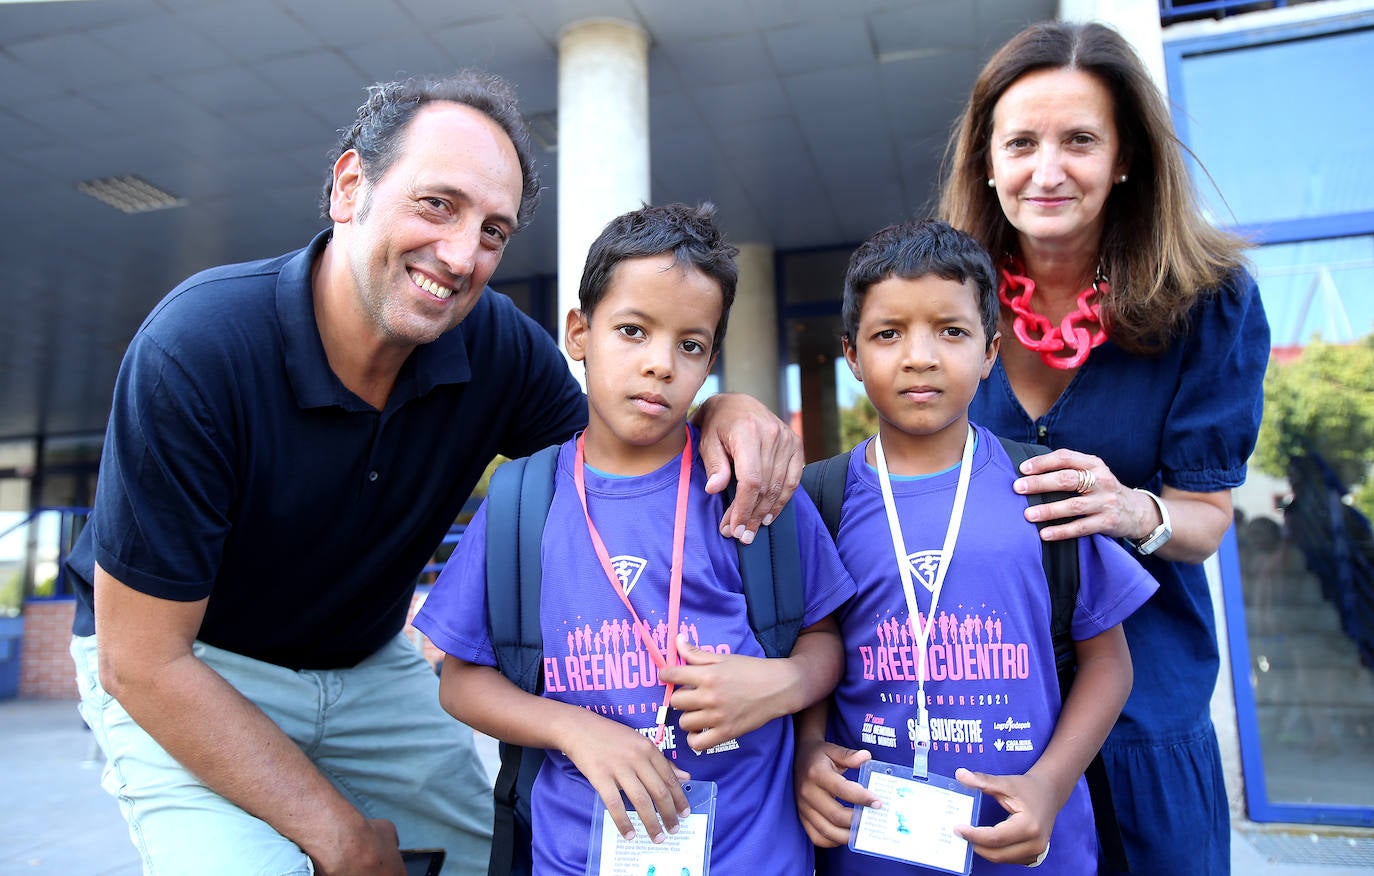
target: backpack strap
824 482
518 501
771 573
1060 559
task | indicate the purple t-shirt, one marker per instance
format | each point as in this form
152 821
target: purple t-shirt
592 657
992 690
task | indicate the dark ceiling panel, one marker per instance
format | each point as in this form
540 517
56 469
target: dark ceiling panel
779 110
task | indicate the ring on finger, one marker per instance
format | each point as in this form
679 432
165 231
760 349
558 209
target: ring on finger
1086 480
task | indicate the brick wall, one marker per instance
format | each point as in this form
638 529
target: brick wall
46 670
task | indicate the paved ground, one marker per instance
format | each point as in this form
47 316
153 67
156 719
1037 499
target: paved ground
55 820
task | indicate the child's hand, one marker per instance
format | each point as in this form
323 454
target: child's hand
723 696
615 758
820 786
1025 833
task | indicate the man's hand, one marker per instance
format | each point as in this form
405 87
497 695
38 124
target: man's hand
375 849
738 432
818 772
1025 832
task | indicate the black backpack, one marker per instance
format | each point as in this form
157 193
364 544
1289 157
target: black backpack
825 482
518 501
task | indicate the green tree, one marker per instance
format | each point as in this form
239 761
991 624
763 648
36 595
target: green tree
12 592
857 422
1323 402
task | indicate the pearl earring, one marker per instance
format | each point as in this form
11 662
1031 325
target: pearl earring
1121 179
992 183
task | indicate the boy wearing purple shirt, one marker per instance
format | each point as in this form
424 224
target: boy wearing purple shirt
642 601
920 314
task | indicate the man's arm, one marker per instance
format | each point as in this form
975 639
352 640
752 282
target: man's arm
740 435
146 663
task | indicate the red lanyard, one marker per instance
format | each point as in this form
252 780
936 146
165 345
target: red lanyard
684 480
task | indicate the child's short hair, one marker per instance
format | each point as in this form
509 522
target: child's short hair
915 249
688 232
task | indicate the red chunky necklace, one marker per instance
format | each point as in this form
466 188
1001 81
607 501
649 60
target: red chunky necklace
1066 345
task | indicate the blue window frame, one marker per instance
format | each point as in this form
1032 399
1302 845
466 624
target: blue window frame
1275 115
1178 10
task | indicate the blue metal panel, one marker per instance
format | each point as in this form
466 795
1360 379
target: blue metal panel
11 648
1315 228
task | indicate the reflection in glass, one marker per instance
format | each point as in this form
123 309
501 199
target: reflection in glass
1309 610
1303 531
1315 162
1317 288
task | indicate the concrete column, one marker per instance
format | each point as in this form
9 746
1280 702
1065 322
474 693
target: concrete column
751 345
1136 20
603 139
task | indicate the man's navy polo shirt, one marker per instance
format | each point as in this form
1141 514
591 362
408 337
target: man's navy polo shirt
238 467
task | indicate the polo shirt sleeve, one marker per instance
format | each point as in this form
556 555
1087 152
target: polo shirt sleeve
1214 419
454 615
166 479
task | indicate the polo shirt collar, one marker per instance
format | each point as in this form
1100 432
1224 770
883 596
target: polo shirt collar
445 361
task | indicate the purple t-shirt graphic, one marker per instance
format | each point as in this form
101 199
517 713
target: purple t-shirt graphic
991 689
594 658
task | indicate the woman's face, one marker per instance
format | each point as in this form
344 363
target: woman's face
1054 155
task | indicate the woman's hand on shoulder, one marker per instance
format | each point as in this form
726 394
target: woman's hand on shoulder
1099 504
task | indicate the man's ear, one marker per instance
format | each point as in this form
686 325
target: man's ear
348 180
575 335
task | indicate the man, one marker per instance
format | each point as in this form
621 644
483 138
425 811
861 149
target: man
289 440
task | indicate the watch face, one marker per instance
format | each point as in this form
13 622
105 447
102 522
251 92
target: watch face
1162 533
1155 540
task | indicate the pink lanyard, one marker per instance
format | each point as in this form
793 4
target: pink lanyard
675 578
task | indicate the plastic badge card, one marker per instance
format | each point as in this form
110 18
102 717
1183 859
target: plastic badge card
915 824
685 853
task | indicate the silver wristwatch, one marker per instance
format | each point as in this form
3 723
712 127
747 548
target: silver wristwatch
1162 533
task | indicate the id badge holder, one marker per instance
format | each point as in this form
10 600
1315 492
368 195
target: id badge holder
915 825
685 853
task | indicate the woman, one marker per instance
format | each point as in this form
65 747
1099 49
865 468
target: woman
1135 342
